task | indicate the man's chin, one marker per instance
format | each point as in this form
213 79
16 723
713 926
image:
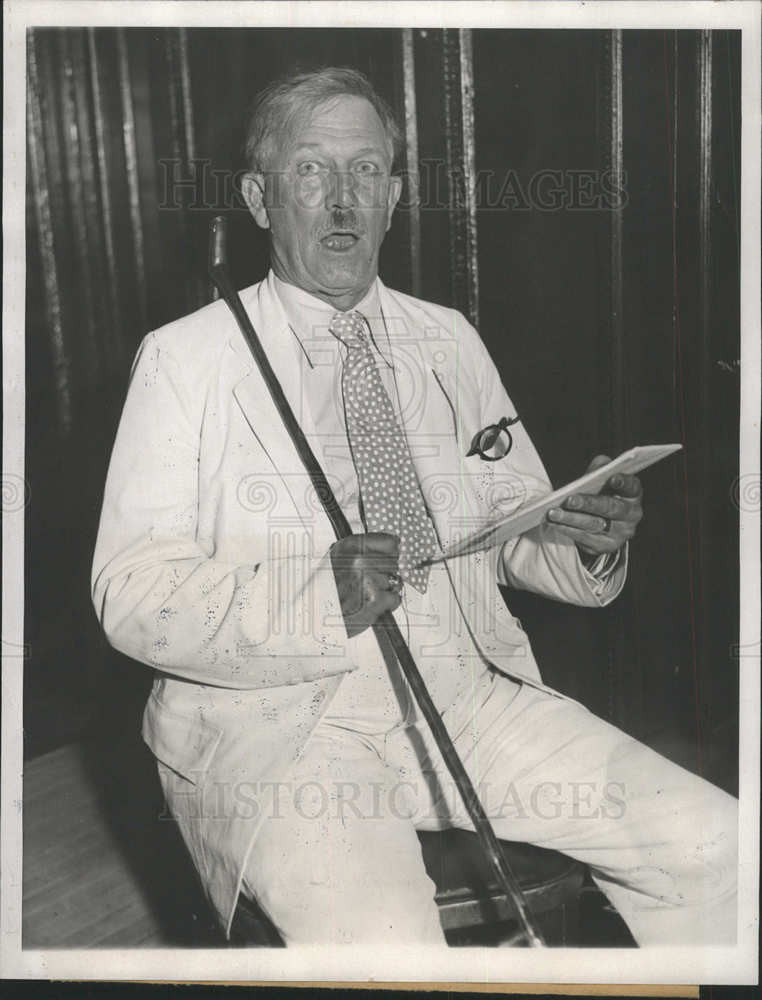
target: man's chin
344 282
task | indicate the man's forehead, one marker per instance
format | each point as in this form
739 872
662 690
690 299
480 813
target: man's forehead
347 117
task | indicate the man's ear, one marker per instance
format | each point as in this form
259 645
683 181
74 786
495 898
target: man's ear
253 191
395 190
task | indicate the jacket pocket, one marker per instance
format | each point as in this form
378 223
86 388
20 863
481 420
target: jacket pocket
186 745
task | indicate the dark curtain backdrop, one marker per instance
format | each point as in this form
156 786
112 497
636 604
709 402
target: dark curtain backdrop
575 193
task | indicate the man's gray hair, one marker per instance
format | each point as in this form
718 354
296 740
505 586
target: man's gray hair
289 100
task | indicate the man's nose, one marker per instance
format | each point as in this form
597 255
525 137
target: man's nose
341 190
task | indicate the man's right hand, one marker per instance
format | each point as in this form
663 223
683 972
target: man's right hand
366 568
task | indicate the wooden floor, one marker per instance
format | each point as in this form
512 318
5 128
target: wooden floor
97 854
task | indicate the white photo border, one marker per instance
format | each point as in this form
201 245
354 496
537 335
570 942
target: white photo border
736 965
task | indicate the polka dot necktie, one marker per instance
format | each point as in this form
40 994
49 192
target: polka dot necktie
389 491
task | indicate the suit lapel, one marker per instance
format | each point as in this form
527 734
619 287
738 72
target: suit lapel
288 363
259 410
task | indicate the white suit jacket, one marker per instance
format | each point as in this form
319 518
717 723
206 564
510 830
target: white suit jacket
211 561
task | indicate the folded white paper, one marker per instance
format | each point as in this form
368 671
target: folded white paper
529 516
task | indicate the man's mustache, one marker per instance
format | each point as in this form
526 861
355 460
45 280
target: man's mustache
342 220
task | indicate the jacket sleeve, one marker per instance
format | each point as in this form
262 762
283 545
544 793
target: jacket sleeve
159 592
543 560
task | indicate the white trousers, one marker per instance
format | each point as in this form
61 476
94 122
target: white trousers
338 860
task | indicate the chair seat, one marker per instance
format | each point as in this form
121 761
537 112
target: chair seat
467 894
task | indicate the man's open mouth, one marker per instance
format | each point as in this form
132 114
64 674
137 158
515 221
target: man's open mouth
339 241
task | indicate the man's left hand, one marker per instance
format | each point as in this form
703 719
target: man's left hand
602 522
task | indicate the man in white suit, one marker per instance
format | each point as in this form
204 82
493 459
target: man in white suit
288 745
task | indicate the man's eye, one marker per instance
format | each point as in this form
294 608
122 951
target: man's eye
367 167
308 169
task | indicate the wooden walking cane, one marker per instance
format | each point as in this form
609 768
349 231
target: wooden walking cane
386 629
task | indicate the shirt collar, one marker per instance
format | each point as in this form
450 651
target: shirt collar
309 317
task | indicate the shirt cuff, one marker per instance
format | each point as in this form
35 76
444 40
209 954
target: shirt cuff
600 571
602 566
